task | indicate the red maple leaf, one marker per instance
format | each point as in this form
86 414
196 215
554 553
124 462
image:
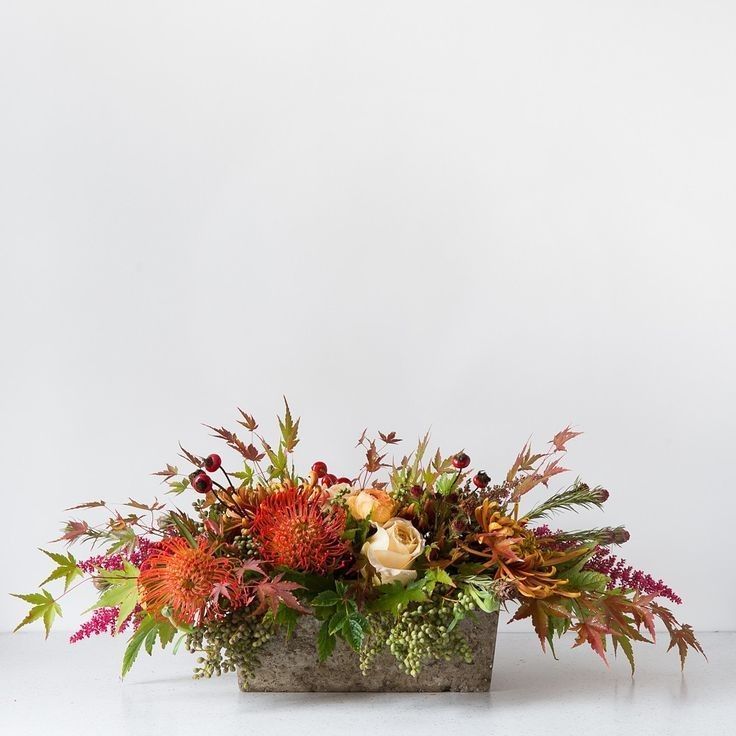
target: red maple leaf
553 468
389 438
593 632
273 592
562 438
73 530
248 566
250 424
220 589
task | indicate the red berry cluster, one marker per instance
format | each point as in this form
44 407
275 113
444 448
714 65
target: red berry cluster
201 482
319 468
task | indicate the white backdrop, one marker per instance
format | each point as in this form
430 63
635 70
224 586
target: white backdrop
490 218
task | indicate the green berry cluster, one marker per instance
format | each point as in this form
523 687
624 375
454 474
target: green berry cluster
229 644
422 633
246 546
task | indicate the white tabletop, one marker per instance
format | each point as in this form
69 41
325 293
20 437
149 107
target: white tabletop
51 687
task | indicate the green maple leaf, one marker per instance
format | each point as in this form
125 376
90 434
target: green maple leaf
44 606
145 636
289 430
436 575
67 568
122 591
394 595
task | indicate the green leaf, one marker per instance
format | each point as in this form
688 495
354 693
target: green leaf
353 630
147 624
182 527
178 486
394 595
309 581
625 643
326 598
286 617
67 568
45 607
445 483
246 475
122 591
325 642
145 636
337 620
586 580
289 429
484 599
436 575
126 539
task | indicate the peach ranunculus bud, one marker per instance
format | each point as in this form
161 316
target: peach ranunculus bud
371 502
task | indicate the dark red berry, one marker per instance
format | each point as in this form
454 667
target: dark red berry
212 463
202 483
416 491
481 479
329 480
320 468
461 461
343 479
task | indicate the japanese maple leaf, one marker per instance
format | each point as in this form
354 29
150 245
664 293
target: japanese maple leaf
641 610
620 613
593 632
540 610
553 468
272 592
72 531
683 638
389 438
250 424
220 589
562 438
248 566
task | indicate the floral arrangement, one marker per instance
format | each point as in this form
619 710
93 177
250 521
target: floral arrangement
394 562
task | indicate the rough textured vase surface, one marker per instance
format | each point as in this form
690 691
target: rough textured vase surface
292 666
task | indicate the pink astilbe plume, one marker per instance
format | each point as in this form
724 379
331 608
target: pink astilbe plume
137 557
102 622
619 573
622 575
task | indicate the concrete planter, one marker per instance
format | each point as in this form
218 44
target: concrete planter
292 666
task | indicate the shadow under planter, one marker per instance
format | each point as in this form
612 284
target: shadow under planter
293 667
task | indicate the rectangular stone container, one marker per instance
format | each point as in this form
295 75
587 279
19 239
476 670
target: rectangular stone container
293 667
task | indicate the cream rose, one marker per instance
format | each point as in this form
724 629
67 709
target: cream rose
392 550
371 502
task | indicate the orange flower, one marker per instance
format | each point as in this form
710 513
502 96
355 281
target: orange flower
298 528
188 580
372 502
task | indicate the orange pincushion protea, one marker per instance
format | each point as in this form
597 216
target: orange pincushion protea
189 580
296 528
